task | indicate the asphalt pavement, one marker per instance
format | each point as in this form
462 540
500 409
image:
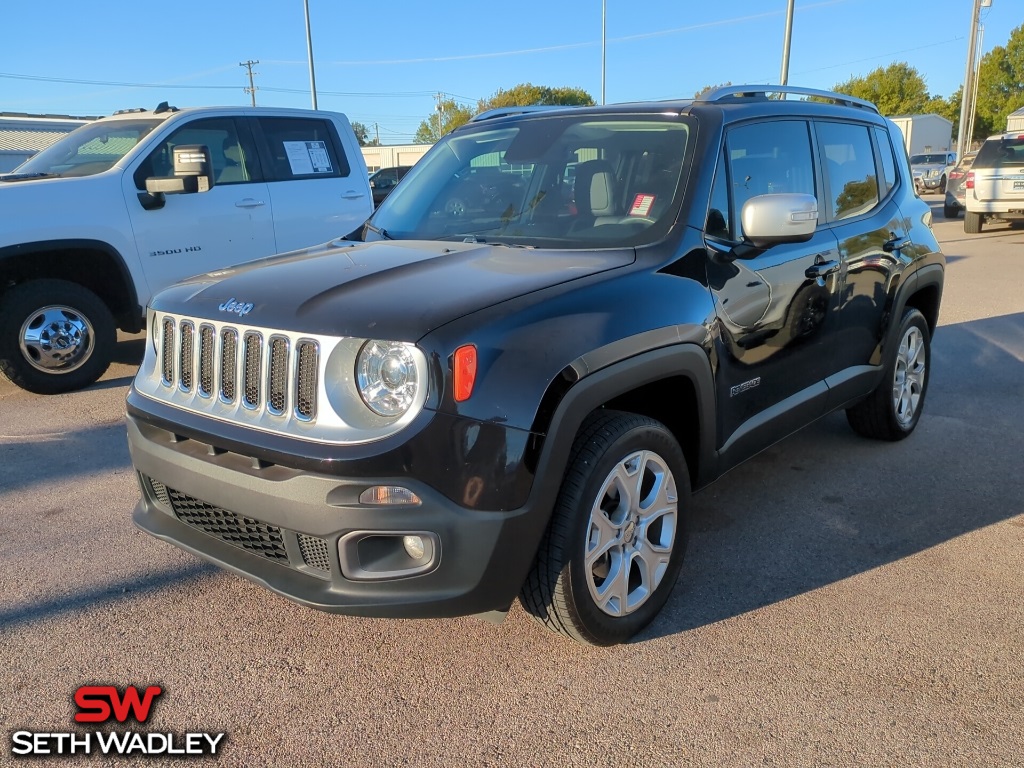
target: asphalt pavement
843 603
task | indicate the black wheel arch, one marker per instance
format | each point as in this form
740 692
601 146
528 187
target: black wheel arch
87 262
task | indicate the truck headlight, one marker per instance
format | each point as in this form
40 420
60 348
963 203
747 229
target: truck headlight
387 377
934 172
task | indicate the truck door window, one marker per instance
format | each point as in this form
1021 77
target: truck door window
232 154
302 148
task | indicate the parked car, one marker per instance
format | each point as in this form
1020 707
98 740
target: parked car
515 396
956 189
127 205
931 170
384 180
995 184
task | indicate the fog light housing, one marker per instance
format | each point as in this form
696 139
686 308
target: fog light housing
385 555
414 546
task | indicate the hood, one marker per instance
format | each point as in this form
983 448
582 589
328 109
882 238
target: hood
398 290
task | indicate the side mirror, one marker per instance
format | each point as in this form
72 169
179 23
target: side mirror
779 218
193 172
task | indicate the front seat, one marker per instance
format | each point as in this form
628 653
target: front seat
595 193
234 167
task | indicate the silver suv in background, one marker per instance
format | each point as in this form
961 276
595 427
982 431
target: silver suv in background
956 187
930 170
995 185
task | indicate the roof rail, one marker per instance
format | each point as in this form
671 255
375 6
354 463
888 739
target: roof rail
490 114
762 91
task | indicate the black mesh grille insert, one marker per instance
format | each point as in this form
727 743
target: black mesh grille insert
206 360
314 552
167 351
187 344
245 532
305 390
277 396
253 358
228 363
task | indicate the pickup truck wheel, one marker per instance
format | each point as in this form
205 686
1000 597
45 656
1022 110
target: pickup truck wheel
892 411
616 540
55 336
972 223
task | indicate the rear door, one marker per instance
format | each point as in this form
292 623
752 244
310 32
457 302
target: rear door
318 192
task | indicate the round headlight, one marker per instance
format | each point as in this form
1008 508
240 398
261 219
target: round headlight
387 377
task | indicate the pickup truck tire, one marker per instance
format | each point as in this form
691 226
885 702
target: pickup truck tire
972 223
892 411
616 540
55 336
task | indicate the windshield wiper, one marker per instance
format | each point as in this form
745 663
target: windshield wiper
378 231
23 176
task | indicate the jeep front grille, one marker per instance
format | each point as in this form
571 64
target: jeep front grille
273 373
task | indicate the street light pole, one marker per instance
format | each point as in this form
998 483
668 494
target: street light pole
309 49
784 77
604 43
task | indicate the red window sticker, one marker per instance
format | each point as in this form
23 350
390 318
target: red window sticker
641 205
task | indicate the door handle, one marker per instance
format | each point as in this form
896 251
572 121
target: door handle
820 269
352 195
249 203
895 243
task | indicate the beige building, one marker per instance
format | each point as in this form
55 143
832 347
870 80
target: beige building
389 157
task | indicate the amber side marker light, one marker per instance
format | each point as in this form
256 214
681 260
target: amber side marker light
465 372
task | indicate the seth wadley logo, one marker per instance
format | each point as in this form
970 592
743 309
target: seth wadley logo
101 704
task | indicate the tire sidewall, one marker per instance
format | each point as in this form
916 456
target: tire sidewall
24 300
912 318
601 628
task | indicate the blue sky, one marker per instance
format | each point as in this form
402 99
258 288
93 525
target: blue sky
381 63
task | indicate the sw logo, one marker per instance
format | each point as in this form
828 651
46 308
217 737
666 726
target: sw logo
102 704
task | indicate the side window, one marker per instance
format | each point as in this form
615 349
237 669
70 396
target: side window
765 158
302 148
849 168
718 211
888 160
232 155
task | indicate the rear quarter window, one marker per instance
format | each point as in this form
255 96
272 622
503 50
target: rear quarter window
301 148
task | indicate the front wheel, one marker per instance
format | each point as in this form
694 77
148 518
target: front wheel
892 411
55 336
616 540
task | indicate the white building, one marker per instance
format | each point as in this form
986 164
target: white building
1015 120
22 135
389 157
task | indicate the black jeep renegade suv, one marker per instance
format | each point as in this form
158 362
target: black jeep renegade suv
509 381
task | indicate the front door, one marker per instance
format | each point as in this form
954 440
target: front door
202 231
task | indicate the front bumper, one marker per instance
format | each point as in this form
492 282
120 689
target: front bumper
305 535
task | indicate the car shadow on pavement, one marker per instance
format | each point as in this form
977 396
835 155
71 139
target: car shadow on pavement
826 504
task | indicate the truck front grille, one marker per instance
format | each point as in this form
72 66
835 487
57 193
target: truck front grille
272 373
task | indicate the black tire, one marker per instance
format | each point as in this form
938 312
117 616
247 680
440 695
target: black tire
972 223
883 416
90 332
560 589
950 211
942 185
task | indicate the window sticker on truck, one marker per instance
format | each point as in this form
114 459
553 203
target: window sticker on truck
306 157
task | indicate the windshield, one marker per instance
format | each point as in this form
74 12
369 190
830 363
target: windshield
1001 152
928 160
93 148
569 181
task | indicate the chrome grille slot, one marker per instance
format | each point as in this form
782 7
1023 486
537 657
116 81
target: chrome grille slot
206 339
167 352
253 344
187 355
306 380
228 364
277 378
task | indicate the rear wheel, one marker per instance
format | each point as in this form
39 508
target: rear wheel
950 211
892 411
615 544
972 223
55 336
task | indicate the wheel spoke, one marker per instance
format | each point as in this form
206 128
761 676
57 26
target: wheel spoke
603 535
613 593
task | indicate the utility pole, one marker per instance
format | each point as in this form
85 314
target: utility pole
784 77
309 49
251 90
440 110
604 43
376 133
963 139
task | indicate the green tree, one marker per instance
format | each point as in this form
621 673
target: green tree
1000 86
454 114
897 89
450 115
948 108
362 133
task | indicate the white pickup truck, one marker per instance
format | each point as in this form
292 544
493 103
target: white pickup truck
124 206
